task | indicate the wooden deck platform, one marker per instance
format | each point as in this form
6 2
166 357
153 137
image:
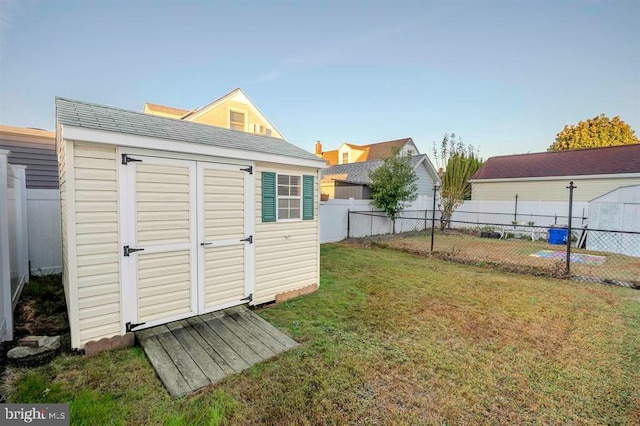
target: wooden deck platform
199 351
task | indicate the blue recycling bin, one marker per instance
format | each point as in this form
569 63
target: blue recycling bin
558 236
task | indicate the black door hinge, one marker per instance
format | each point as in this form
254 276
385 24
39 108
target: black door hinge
126 159
249 239
128 250
248 169
129 326
249 298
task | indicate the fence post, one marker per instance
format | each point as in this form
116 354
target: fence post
571 187
515 213
348 223
371 223
426 211
6 309
433 215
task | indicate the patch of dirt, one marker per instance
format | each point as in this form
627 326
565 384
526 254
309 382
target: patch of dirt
41 311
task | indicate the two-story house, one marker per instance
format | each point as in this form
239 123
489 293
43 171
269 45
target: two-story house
232 111
350 165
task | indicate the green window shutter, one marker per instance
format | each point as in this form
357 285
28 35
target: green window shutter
307 197
268 197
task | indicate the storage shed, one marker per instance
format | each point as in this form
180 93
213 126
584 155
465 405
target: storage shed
164 219
617 210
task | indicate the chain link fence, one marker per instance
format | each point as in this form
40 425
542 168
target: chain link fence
559 250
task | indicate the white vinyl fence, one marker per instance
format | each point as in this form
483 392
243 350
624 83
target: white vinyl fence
334 218
14 251
334 221
45 239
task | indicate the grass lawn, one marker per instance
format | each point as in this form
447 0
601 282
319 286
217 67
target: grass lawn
395 338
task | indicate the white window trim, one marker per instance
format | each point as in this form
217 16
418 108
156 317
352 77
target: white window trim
342 157
289 197
240 111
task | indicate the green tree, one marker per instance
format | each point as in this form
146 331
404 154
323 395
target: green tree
393 185
595 132
459 162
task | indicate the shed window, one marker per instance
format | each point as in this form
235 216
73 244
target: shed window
289 197
236 120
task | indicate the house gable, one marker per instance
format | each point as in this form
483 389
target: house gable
218 113
221 113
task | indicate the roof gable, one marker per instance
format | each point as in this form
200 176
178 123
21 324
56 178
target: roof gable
236 95
370 152
579 162
99 117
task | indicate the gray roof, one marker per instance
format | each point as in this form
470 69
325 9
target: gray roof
83 114
358 173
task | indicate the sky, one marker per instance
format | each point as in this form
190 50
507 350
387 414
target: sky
505 76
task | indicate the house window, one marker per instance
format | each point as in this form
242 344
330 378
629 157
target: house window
345 158
236 120
268 132
289 197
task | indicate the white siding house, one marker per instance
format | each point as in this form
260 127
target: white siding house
544 176
164 219
352 180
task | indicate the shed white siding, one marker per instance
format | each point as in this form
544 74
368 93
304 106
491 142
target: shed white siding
618 210
553 189
90 249
286 253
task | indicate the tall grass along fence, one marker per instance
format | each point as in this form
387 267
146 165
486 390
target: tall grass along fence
566 247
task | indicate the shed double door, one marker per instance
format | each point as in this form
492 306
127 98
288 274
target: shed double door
186 244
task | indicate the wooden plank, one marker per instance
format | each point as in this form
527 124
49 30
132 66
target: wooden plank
260 334
232 359
202 359
247 337
231 339
187 367
268 328
165 368
211 351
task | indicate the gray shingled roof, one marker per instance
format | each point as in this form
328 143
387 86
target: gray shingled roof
82 114
358 173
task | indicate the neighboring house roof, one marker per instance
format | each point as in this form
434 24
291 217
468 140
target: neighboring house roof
176 112
35 149
93 116
358 173
192 115
373 151
579 162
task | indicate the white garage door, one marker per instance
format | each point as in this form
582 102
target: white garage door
186 238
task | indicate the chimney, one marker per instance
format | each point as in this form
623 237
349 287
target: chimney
319 148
